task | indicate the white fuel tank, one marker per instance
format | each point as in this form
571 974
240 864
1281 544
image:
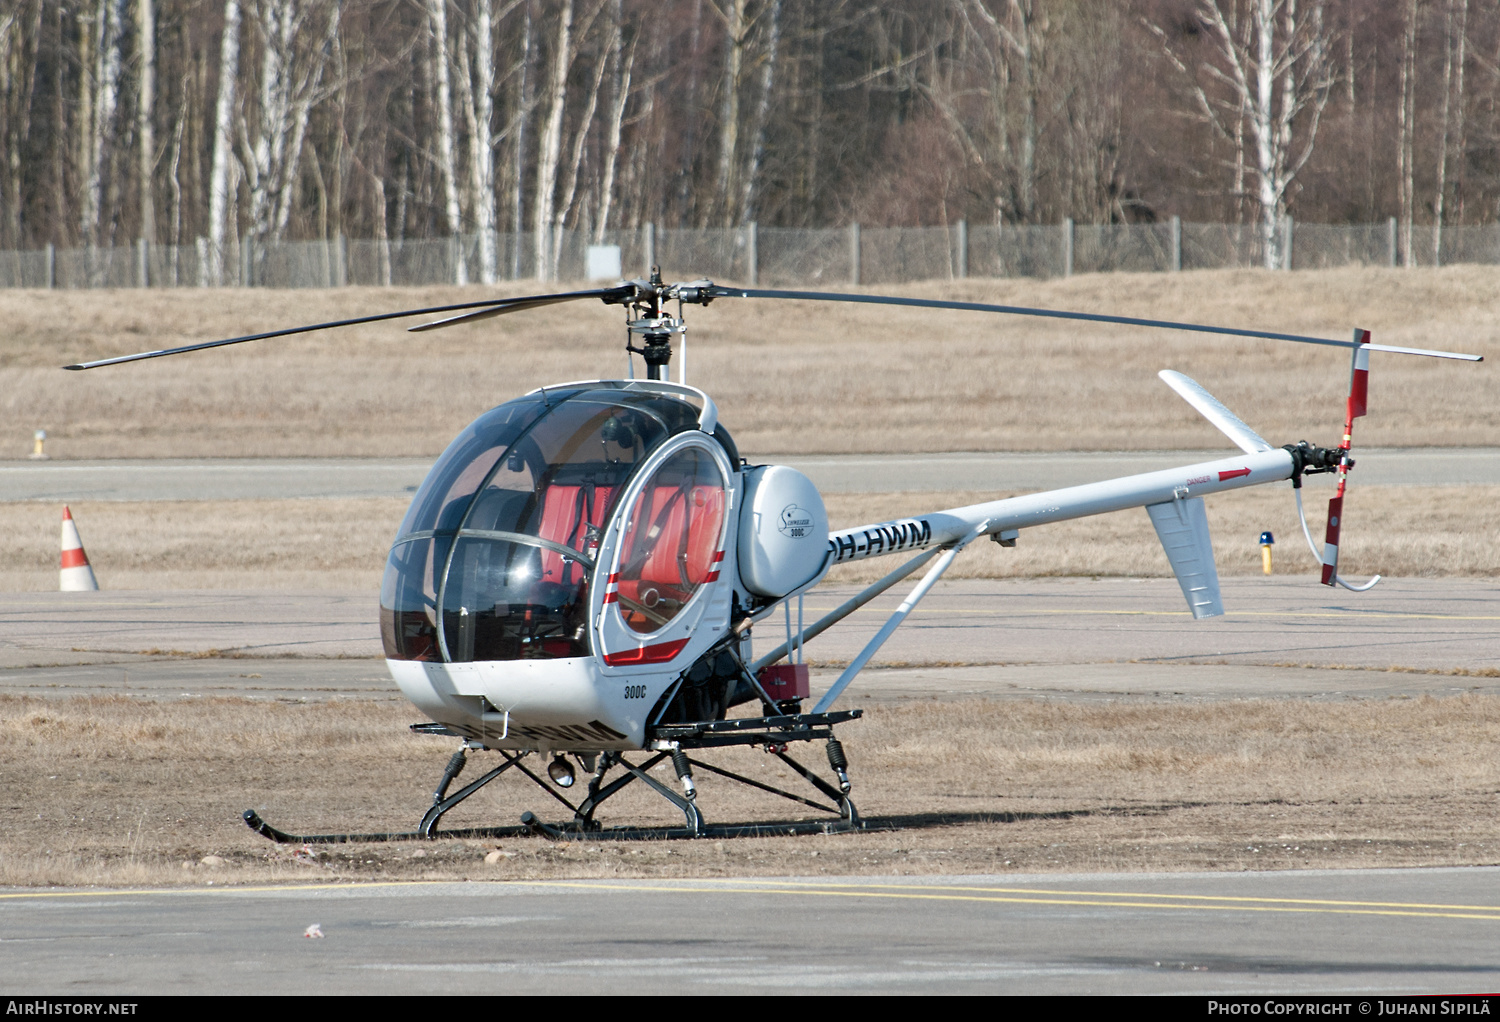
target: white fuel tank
783 531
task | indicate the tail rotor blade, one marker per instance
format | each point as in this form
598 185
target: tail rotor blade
1359 393
1331 538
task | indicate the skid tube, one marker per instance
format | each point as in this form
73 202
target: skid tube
773 733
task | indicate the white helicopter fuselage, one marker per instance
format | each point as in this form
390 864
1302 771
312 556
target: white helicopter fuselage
731 545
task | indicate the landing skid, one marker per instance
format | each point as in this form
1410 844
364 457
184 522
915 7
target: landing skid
667 742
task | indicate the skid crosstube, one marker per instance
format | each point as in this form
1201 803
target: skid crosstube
773 733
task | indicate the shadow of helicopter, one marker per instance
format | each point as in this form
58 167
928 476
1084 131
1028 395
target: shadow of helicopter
532 826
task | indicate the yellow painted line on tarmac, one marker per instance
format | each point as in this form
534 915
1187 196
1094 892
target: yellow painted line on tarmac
987 895
1138 894
1076 899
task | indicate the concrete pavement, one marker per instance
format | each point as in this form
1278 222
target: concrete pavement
1350 933
1064 638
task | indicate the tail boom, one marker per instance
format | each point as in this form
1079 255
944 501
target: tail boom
943 528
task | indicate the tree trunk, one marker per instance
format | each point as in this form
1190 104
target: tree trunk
729 110
20 33
1025 16
622 64
550 149
1440 186
1260 114
1460 128
479 107
1406 126
437 11
575 160
221 177
104 89
145 101
523 117
757 155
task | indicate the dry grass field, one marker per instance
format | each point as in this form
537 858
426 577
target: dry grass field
341 544
788 376
115 791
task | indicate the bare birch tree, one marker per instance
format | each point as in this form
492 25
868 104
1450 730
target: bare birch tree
622 62
292 67
989 102
476 68
101 41
755 157
522 118
736 31
575 160
221 177
1455 30
1269 69
1406 121
145 27
20 33
550 144
447 141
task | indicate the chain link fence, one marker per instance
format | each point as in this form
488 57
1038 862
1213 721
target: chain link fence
752 255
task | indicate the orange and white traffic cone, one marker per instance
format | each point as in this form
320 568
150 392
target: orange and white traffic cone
76 575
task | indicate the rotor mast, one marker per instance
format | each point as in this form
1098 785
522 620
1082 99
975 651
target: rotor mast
653 325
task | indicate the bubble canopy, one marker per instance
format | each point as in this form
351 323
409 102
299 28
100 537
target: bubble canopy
494 557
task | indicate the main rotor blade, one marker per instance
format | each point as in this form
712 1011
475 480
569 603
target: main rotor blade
521 304
719 291
505 305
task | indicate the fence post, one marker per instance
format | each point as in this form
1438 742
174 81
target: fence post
244 262
1390 241
854 254
963 249
1177 244
142 263
341 264
1067 241
51 266
452 259
648 233
752 253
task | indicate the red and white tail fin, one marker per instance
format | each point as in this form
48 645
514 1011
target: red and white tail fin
1359 392
76 575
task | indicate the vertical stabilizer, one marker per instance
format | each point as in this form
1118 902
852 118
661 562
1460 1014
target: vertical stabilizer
1182 526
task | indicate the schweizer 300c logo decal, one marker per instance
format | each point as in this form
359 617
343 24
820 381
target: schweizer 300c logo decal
796 522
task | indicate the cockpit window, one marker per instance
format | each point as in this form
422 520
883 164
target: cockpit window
457 475
503 533
671 543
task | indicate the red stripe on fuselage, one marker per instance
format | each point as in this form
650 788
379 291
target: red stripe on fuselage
657 654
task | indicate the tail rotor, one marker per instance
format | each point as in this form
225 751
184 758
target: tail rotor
1359 388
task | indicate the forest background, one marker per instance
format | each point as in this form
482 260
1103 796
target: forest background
210 122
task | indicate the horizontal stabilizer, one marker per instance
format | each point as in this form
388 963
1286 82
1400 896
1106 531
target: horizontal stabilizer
1212 409
1182 526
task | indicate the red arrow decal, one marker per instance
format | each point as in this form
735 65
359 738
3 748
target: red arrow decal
1233 475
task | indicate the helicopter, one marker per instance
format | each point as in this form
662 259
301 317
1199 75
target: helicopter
580 574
